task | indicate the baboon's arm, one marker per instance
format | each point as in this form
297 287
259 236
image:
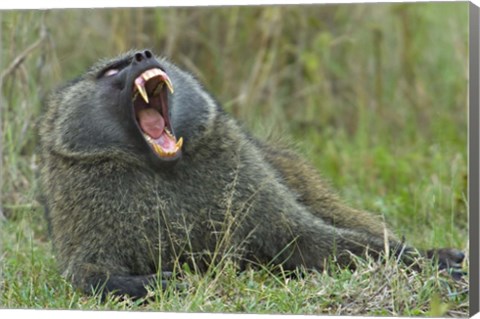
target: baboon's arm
315 242
312 192
134 286
315 194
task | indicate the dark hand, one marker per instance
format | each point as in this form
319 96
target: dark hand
450 259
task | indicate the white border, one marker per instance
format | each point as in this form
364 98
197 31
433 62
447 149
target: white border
77 314
49 4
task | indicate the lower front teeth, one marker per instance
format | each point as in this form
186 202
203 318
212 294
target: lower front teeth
148 138
159 150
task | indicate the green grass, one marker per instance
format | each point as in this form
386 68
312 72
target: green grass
374 95
31 280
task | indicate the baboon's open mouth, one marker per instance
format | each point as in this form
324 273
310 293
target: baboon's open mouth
151 112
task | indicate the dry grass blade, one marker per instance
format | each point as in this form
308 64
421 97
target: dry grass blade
23 55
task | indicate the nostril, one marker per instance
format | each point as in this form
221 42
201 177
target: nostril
148 54
138 57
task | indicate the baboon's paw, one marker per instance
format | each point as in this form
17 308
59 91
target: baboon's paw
450 259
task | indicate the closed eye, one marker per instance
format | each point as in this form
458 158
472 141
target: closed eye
115 68
111 72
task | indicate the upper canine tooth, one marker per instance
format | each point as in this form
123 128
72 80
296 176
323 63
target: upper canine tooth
142 91
168 82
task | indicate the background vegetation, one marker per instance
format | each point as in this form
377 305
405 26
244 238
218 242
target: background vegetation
374 95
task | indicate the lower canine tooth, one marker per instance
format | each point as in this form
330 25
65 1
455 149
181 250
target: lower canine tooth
158 89
158 149
179 143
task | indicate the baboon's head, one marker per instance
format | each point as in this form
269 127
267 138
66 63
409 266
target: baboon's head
135 106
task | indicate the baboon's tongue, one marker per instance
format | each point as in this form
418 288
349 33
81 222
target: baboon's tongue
151 122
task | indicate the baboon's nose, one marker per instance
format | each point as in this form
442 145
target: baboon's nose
143 55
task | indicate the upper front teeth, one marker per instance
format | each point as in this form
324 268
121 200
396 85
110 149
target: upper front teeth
147 75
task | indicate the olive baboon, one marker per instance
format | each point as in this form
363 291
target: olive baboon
141 168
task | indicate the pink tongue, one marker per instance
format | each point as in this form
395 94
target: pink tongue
151 122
